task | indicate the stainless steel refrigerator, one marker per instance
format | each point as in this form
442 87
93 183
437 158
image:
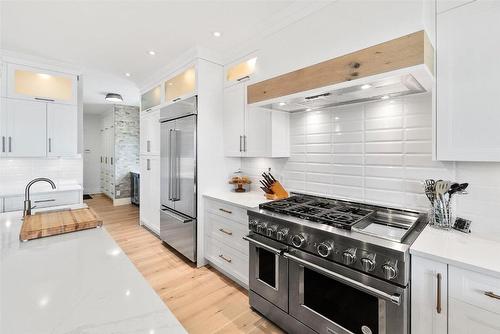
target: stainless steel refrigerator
178 176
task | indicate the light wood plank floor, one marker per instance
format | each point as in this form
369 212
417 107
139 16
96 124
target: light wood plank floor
202 299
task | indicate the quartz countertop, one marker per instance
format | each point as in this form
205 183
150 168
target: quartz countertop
458 249
38 188
79 282
247 200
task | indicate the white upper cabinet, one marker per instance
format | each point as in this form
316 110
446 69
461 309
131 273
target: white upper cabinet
429 296
151 98
251 131
240 70
24 133
62 123
150 134
181 86
444 5
468 51
234 120
32 83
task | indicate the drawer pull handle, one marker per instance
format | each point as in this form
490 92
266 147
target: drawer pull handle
45 200
226 211
225 258
225 231
438 301
491 294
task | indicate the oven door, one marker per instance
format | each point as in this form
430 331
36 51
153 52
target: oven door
333 299
268 272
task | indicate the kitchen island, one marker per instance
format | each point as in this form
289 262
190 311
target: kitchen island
78 282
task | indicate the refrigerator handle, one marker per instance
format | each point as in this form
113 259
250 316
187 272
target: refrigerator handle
170 164
176 157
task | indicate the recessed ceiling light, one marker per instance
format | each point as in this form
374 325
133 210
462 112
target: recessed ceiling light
113 97
217 34
282 104
127 74
366 86
385 97
308 109
152 53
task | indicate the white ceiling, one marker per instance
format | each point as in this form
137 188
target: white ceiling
114 37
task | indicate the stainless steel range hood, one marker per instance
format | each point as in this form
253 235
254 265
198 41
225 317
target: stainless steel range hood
378 89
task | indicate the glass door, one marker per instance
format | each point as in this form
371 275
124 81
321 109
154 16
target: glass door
268 272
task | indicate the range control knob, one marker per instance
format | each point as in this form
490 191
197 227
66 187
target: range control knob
271 231
325 248
262 227
390 270
349 256
252 224
298 240
282 234
368 262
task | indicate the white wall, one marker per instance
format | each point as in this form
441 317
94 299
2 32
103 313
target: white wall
91 153
380 153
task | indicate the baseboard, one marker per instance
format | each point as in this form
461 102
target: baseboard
121 201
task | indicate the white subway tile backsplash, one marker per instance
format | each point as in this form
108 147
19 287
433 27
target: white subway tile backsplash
380 153
384 123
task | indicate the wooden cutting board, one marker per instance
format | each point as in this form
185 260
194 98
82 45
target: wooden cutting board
45 224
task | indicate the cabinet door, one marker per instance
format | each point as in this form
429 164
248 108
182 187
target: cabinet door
181 86
469 319
151 98
144 191
37 84
154 195
234 119
257 141
144 134
429 296
154 133
3 128
241 70
26 128
62 126
467 116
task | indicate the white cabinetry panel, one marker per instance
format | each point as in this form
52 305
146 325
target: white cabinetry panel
467 59
26 134
150 192
234 119
427 278
62 123
469 319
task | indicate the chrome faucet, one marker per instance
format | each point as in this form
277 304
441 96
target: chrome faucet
27 201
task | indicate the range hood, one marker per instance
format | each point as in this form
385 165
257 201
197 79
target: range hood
380 89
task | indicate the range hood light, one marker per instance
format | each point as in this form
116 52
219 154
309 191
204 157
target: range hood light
112 97
385 97
366 86
308 109
282 104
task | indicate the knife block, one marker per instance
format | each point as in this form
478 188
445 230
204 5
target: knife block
279 192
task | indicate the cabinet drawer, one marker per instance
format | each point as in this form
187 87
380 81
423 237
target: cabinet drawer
227 231
231 261
469 319
43 200
474 288
226 210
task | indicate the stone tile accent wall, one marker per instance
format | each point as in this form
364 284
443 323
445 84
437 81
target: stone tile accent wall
126 147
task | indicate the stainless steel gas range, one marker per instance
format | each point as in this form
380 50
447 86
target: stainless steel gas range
320 265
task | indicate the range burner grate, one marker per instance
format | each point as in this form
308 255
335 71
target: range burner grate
330 212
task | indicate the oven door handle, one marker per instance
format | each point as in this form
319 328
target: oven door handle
262 245
394 298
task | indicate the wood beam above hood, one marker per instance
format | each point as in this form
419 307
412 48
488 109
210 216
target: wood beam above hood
410 50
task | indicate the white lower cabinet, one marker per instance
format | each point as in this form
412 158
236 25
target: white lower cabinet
429 310
43 200
225 227
149 209
470 301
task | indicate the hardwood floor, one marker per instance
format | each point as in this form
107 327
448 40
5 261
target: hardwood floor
202 299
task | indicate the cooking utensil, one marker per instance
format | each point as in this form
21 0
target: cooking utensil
264 183
272 177
267 191
267 178
429 189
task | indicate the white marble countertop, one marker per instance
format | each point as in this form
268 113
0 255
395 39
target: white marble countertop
459 249
38 188
78 282
247 200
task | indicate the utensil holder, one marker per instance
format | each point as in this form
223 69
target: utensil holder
441 215
279 192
